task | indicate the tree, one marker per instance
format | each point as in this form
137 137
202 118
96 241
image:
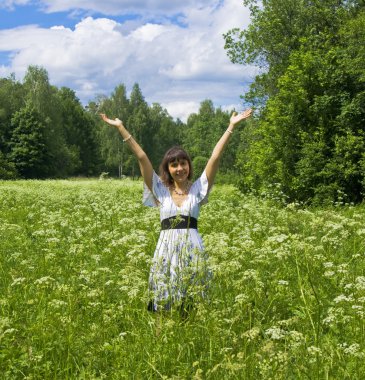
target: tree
111 145
11 100
42 97
311 97
39 92
166 133
7 169
152 126
139 125
277 29
79 131
203 131
28 144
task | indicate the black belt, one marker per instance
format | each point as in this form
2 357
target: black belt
179 221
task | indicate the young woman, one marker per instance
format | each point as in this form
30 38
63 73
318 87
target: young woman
177 263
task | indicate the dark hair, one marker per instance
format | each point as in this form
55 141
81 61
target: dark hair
175 153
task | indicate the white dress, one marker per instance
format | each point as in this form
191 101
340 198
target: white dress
179 264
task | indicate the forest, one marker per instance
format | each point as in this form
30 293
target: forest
306 142
47 133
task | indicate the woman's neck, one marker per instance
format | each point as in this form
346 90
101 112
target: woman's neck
182 188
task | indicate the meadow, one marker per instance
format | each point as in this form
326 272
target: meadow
286 301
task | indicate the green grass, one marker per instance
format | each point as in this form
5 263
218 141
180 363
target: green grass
286 301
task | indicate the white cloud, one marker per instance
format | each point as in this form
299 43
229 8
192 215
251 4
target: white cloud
181 109
176 66
148 32
11 4
120 7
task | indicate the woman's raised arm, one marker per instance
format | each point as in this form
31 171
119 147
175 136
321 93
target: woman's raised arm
144 162
213 162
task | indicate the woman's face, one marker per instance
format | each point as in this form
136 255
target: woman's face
179 170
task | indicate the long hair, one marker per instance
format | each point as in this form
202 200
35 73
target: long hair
175 153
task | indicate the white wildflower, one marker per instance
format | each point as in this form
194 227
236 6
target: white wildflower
331 317
44 281
360 283
57 304
313 350
352 350
97 258
94 293
278 238
122 335
343 298
252 333
104 269
361 232
53 240
328 264
275 333
359 310
342 268
241 298
296 339
329 273
250 274
9 331
18 281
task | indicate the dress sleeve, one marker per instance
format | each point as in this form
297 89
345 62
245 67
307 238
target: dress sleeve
159 192
200 188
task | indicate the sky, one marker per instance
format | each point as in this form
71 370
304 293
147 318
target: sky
173 49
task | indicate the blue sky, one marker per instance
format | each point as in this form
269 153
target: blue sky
173 49
30 14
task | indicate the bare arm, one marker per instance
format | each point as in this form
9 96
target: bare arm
144 162
213 162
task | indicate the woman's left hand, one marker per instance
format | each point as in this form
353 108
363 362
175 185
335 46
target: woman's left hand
236 118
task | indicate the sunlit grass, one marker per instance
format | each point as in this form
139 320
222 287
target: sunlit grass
286 301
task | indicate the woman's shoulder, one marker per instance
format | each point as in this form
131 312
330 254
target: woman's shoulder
200 179
200 184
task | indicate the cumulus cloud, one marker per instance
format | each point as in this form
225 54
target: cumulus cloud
176 66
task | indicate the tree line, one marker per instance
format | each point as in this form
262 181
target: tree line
45 132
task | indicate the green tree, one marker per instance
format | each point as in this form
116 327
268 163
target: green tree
62 160
166 133
79 130
27 146
198 130
7 169
311 126
139 125
277 29
11 100
112 150
39 92
203 131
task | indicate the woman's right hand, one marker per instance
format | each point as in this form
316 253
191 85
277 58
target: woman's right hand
115 123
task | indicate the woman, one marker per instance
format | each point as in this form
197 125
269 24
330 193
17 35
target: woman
176 273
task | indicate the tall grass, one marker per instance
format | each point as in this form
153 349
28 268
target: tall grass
286 300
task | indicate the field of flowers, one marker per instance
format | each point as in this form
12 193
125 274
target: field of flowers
287 298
